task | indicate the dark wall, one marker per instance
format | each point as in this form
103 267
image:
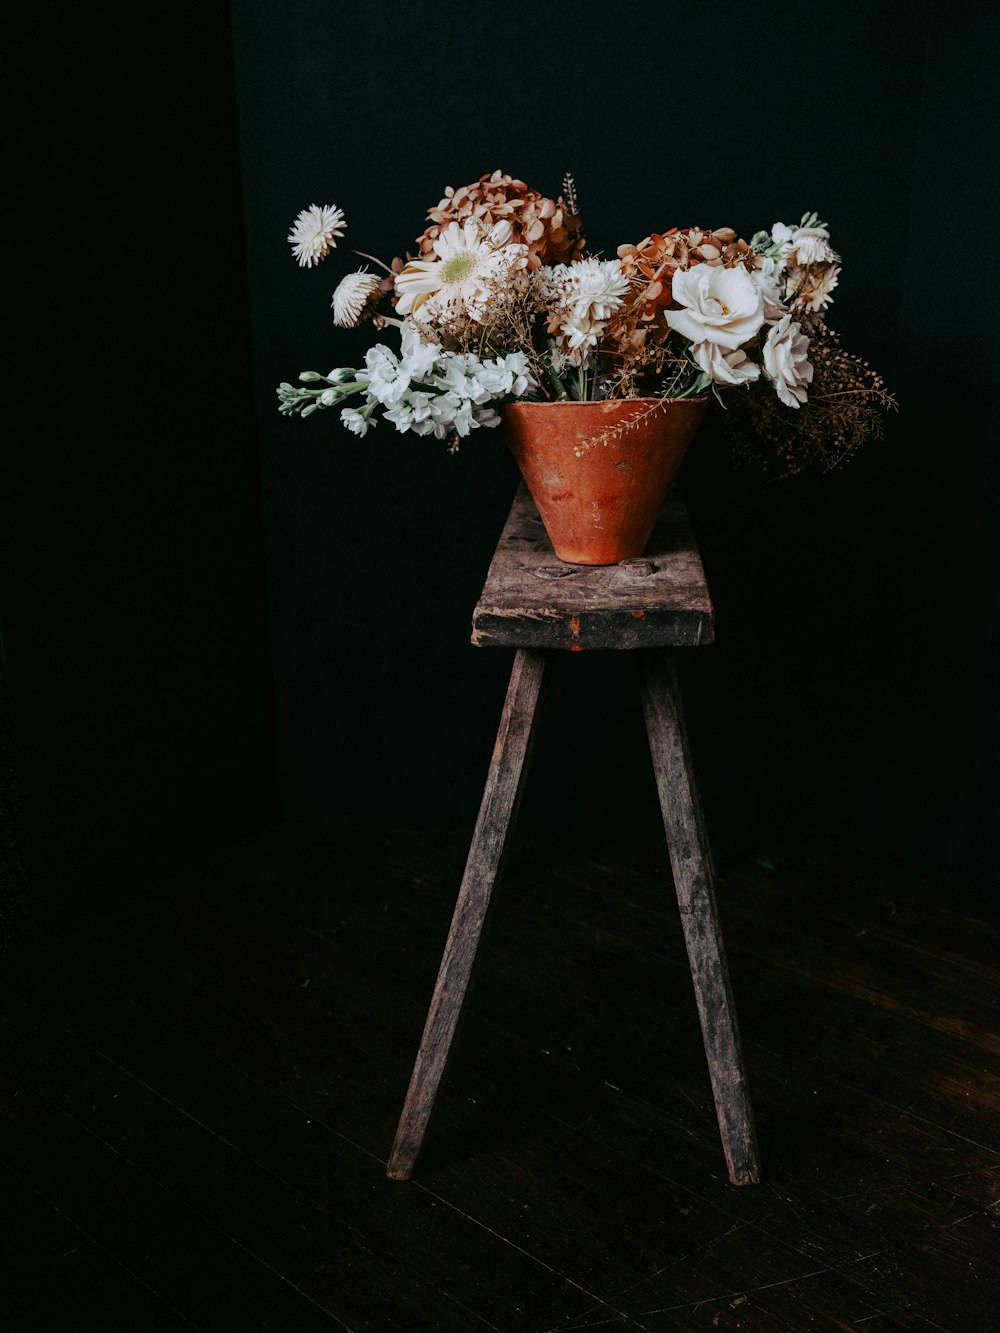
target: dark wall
139 704
851 690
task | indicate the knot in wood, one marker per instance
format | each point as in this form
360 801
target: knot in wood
554 571
637 567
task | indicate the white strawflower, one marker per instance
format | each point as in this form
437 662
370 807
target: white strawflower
785 360
721 305
315 233
724 366
596 288
809 288
580 334
355 299
463 276
581 299
810 245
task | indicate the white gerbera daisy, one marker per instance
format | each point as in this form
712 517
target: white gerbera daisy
355 298
462 276
315 233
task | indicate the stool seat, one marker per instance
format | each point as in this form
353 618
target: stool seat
533 600
536 604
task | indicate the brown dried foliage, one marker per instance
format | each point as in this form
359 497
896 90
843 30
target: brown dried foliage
847 406
546 226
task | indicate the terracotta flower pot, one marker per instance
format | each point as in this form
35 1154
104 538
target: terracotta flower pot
598 490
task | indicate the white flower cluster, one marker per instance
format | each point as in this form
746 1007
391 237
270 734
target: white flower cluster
432 391
802 265
580 299
723 310
425 389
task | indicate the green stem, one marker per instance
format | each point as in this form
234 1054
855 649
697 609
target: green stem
561 392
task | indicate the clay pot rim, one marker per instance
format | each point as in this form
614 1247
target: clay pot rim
602 402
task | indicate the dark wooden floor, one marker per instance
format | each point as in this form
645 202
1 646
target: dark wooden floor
200 1093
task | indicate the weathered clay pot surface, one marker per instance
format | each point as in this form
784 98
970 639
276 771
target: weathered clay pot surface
599 497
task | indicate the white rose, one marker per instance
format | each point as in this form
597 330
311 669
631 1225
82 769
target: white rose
725 367
785 353
721 305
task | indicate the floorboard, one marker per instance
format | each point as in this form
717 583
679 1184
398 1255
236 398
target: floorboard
200 1090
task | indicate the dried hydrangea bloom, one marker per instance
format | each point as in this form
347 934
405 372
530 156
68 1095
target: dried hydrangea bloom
546 226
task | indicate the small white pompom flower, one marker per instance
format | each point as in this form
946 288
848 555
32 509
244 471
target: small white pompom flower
315 233
355 299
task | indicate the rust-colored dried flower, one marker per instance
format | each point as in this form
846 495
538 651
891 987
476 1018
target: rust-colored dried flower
546 226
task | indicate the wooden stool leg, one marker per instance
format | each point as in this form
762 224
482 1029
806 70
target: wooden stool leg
497 815
690 859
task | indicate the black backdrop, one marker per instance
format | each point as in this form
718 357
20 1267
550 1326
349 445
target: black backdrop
153 697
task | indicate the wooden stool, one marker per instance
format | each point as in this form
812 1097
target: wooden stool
536 604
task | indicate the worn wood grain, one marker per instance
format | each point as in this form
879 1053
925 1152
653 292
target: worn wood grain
575 1178
532 599
497 814
691 862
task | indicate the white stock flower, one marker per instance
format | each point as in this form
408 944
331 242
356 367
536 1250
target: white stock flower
418 355
724 366
721 305
315 233
463 275
767 280
785 361
355 420
459 374
412 409
506 375
388 377
355 298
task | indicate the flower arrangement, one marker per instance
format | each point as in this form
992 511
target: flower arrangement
502 301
